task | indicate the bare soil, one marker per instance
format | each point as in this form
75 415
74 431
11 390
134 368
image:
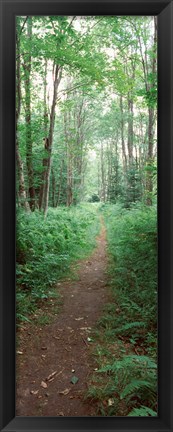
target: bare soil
49 356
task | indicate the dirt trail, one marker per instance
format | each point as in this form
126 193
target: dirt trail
63 346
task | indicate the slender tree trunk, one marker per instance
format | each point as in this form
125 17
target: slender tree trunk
69 176
79 120
151 120
53 189
130 130
99 179
57 79
22 191
29 158
60 183
69 155
149 176
103 185
46 137
122 137
109 179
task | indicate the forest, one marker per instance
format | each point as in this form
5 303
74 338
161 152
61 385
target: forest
86 186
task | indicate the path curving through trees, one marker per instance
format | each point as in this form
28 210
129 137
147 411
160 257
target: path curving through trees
50 356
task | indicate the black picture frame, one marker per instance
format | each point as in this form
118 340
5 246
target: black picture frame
164 10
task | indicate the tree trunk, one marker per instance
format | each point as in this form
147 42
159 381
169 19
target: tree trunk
53 189
69 155
130 130
79 119
60 183
22 191
151 113
149 175
29 159
122 137
57 79
45 139
103 185
69 176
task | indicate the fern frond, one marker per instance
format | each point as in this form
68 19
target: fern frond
130 361
143 411
119 364
130 326
135 386
147 361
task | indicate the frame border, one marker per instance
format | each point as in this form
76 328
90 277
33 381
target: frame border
164 10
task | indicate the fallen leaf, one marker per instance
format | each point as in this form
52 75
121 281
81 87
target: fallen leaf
49 378
19 352
74 380
34 392
65 392
43 384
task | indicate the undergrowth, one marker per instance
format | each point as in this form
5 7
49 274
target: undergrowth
129 384
45 250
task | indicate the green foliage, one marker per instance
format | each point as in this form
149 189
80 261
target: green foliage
133 247
131 318
143 411
134 378
46 248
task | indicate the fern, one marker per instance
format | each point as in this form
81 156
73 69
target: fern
145 360
135 386
119 364
132 361
130 326
143 411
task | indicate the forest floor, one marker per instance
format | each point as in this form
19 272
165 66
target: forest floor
49 356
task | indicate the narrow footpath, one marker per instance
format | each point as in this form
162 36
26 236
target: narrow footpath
49 357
